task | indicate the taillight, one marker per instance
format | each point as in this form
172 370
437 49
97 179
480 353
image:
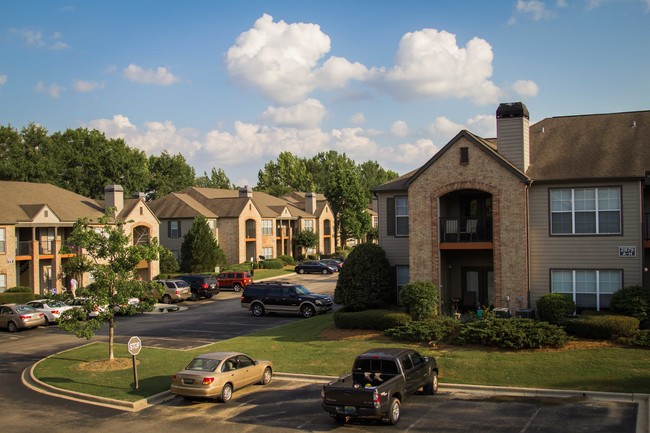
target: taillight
208 380
375 399
25 317
177 292
174 378
55 312
204 285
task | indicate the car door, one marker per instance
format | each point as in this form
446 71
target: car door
289 300
234 374
4 316
249 369
410 375
420 370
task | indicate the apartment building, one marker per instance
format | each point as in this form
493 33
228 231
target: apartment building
35 221
561 206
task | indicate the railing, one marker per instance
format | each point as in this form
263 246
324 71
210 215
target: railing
24 248
465 230
281 232
250 234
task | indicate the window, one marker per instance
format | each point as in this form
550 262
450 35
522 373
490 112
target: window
402 277
585 211
267 253
174 229
464 155
267 227
401 216
3 240
587 288
3 282
140 235
212 223
309 225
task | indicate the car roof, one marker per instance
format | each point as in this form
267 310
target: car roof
218 355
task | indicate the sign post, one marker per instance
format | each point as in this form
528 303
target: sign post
134 348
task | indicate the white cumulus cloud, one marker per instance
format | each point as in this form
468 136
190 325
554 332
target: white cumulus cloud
282 60
160 76
54 90
414 153
536 9
3 79
360 118
525 88
431 64
399 128
83 86
306 114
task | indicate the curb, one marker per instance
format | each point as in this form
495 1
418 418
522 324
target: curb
642 400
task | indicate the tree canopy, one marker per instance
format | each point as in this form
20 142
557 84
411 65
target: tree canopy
200 251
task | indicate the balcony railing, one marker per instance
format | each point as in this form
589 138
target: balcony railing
24 248
250 234
465 230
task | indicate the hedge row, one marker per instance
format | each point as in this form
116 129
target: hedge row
370 319
515 333
605 327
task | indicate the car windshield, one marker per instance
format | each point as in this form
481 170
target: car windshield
203 364
302 290
25 309
57 304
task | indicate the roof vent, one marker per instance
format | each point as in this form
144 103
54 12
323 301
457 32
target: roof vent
634 124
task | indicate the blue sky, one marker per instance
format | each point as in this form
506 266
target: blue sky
232 84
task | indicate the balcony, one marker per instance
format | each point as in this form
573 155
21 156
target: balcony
24 248
465 230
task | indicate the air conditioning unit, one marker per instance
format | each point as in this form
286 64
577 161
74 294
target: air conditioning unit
503 313
526 313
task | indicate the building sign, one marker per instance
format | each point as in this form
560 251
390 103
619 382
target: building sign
627 251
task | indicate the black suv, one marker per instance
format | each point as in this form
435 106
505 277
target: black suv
283 297
203 286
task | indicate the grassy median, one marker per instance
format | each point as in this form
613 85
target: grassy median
314 346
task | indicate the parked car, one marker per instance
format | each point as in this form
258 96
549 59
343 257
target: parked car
335 264
314 266
122 309
91 309
219 374
234 280
174 291
18 316
283 297
51 308
201 285
378 383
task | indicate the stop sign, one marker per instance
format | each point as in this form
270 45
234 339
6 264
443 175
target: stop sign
134 345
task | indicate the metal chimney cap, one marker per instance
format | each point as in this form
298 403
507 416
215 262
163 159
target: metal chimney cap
512 109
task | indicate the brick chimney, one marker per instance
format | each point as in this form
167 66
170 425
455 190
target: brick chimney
245 192
114 197
310 203
513 141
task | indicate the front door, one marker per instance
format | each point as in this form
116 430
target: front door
478 284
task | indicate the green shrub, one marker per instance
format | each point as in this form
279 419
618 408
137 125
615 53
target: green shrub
19 289
240 267
640 338
438 330
633 301
364 281
420 298
370 319
555 307
272 264
287 260
607 327
516 333
17 295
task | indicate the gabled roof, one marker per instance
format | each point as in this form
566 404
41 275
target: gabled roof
398 184
22 201
595 146
178 205
297 198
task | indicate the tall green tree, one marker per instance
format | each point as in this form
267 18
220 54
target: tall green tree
112 259
306 239
23 155
288 174
85 161
169 174
200 251
217 179
373 175
346 195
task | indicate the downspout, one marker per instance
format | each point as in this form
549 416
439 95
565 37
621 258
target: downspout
529 300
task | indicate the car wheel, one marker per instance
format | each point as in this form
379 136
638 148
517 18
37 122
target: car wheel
257 310
341 419
394 411
267 376
237 287
301 271
167 299
194 296
307 311
47 321
226 393
432 387
325 271
11 327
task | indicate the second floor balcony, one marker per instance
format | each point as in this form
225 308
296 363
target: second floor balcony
454 229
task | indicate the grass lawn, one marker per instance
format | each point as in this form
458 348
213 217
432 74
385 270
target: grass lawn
312 346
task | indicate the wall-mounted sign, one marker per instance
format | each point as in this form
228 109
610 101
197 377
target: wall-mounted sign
10 261
627 251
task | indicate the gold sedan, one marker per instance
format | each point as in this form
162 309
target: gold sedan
219 374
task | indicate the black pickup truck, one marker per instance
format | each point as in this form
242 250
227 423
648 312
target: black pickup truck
378 383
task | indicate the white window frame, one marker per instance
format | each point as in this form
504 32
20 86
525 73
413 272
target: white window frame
401 214
3 283
267 227
3 240
174 229
577 282
308 225
585 201
267 253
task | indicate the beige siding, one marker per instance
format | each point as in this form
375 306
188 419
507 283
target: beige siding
7 259
582 251
396 247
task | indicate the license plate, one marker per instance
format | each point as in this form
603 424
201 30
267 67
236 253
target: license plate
349 409
188 381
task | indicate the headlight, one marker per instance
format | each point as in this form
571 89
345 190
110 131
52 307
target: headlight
318 302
